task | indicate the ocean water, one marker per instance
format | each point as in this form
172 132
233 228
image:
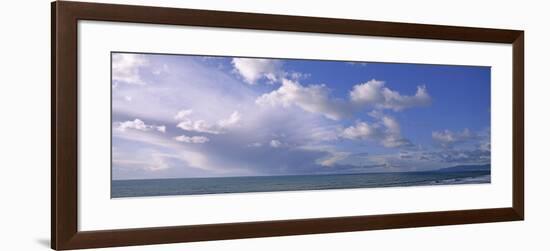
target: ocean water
191 186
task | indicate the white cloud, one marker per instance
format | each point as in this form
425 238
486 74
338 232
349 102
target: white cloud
392 135
275 143
181 115
316 98
255 144
126 68
375 94
215 97
312 98
233 119
188 124
254 69
198 126
386 131
448 138
324 133
392 141
298 75
162 70
485 145
361 130
391 125
138 124
194 139
171 150
161 129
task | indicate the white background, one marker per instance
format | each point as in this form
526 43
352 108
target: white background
24 129
97 211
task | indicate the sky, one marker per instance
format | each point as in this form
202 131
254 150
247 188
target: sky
183 116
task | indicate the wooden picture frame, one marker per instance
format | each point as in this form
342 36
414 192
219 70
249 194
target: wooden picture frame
64 101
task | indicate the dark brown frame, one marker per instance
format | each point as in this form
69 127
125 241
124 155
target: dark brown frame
64 208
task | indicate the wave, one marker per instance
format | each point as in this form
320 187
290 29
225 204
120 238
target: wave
466 180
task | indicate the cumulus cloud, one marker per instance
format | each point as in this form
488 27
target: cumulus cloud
254 69
392 135
386 131
374 93
194 139
275 143
198 126
139 125
361 130
312 98
316 98
126 68
188 124
183 114
233 119
309 126
161 128
448 138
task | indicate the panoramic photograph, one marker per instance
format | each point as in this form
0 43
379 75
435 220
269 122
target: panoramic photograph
196 124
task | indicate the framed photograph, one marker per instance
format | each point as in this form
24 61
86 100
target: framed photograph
178 125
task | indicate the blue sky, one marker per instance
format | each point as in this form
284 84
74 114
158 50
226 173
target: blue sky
177 116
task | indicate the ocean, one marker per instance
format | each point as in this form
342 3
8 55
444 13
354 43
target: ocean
218 185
